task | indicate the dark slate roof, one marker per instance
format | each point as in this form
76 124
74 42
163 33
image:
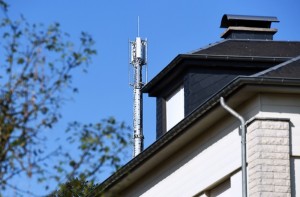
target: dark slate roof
253 48
289 69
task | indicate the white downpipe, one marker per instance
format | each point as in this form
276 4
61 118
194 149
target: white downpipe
243 142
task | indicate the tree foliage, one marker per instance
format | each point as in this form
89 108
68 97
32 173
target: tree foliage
74 187
36 70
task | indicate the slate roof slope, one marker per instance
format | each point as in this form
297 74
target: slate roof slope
232 47
289 69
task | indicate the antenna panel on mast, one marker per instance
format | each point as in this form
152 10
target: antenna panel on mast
138 51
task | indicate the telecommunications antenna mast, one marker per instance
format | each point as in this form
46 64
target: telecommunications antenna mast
138 59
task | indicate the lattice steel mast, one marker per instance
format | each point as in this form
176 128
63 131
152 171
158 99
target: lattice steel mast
138 59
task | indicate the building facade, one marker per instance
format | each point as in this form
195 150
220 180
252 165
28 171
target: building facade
198 149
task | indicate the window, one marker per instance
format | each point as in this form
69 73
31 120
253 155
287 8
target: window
175 108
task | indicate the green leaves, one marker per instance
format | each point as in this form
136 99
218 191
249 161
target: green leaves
74 187
20 60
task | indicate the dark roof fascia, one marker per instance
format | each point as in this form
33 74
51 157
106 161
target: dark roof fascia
175 68
176 131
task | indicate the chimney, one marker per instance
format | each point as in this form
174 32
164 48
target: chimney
248 27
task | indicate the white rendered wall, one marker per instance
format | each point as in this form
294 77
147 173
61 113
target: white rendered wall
236 184
175 108
199 165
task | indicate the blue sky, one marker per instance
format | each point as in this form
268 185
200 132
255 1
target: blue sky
172 27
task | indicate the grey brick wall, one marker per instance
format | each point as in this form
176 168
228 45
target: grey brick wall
268 155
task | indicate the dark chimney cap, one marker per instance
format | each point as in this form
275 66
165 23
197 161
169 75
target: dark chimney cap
248 27
229 20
